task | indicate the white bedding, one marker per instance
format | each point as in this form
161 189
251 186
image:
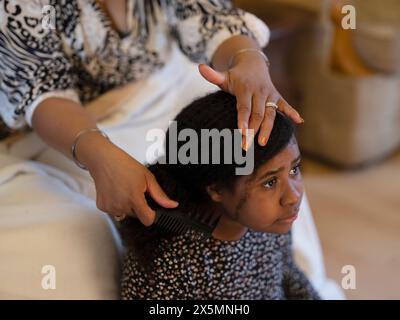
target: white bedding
48 214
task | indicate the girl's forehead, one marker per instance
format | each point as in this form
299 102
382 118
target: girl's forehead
281 160
288 154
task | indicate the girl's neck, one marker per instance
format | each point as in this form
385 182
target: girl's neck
228 229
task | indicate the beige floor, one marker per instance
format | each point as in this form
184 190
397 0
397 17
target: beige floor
358 218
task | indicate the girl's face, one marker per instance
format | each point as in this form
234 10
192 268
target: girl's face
270 198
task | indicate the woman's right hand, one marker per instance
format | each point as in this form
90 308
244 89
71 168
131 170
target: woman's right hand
121 183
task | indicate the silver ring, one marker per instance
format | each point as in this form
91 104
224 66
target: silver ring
120 218
271 104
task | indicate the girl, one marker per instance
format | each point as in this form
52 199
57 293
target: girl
249 254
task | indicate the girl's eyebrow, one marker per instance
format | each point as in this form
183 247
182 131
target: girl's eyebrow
274 171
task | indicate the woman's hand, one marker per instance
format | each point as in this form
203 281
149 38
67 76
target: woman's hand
248 79
121 183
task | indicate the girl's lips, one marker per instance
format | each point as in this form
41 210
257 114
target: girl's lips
289 219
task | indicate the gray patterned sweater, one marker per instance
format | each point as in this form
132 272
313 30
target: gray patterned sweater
258 266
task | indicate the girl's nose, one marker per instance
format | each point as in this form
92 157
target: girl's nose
292 194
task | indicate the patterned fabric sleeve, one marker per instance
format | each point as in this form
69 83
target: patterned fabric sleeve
200 26
33 66
295 283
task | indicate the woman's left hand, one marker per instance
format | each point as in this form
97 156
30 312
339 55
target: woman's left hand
249 80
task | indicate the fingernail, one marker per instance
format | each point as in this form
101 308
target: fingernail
244 145
263 141
249 141
302 120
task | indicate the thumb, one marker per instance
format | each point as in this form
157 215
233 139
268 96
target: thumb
213 76
159 195
143 212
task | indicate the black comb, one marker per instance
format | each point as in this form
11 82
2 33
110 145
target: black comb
178 222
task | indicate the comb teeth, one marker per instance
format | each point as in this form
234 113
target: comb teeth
177 222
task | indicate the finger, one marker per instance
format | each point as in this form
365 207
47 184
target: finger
243 104
257 112
288 110
143 212
213 76
158 194
248 139
268 121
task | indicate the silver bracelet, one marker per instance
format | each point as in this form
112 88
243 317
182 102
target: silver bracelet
247 50
74 144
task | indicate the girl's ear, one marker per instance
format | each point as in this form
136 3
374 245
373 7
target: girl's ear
215 193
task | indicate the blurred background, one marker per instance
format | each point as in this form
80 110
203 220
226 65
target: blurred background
346 85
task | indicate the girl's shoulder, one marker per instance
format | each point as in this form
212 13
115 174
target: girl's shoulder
190 247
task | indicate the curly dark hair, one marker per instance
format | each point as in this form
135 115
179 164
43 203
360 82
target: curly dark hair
186 183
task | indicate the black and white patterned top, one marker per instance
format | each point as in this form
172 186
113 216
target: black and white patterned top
258 266
69 49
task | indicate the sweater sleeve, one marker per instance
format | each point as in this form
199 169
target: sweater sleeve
201 26
33 66
295 283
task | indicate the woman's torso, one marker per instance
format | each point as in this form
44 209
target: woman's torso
100 56
79 54
84 51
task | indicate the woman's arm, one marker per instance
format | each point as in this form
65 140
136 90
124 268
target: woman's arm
213 32
120 180
38 82
229 47
57 121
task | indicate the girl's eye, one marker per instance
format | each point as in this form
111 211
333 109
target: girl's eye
270 183
296 170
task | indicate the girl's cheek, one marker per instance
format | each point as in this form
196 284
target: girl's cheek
261 214
259 208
